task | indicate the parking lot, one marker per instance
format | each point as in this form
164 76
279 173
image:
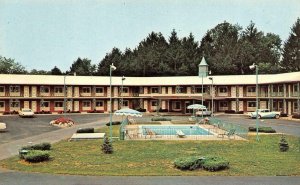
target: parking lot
19 128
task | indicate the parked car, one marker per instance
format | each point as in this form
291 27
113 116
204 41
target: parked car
26 113
265 113
2 127
205 112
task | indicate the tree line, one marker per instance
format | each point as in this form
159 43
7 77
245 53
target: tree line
228 49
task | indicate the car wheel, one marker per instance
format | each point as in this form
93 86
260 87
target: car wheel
277 116
259 116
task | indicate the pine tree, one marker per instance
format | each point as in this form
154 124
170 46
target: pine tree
107 147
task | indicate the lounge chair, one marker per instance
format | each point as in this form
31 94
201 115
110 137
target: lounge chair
229 133
180 133
150 133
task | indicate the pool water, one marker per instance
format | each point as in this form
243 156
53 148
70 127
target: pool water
171 129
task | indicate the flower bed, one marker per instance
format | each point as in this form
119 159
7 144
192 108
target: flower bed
62 122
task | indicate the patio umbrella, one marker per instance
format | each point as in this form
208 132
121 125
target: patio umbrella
196 106
128 112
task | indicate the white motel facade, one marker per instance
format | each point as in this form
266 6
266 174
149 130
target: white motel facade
278 92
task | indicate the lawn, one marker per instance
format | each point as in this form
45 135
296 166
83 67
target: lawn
156 157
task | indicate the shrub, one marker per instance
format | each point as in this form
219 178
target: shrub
107 147
161 119
296 115
37 156
239 112
283 115
113 123
85 130
283 144
163 110
63 120
188 163
95 111
262 129
230 111
215 164
41 146
141 110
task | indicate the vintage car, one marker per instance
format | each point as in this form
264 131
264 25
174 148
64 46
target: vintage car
265 113
26 113
205 112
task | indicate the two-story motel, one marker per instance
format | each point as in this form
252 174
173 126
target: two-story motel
278 92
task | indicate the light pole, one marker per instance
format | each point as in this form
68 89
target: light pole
123 78
203 69
65 96
254 66
212 95
111 68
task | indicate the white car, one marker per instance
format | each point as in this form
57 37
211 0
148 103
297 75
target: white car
265 113
26 113
204 111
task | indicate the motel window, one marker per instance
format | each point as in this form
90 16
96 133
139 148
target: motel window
223 104
251 89
86 103
15 104
223 89
141 90
15 88
86 90
99 103
45 89
154 90
58 104
199 89
154 103
295 88
99 89
58 89
2 89
295 106
177 105
125 103
125 90
1 104
45 104
251 104
274 89
280 88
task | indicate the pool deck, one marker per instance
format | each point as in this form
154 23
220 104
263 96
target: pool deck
133 133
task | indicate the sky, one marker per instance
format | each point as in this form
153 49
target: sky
41 34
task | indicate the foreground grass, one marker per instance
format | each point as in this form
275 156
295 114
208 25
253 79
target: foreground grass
156 157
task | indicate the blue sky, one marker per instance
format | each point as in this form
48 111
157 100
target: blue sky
41 34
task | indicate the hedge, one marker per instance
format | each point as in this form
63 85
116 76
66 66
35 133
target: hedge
37 156
113 123
141 110
85 130
215 164
296 115
188 163
262 129
41 146
161 119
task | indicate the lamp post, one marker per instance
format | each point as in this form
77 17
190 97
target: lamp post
123 78
212 95
65 96
254 66
203 69
111 68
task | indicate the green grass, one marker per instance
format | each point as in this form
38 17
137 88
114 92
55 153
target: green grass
156 157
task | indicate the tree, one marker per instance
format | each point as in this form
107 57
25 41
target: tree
291 50
83 67
55 71
9 66
114 57
39 72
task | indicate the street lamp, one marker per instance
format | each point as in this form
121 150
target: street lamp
65 96
212 95
203 69
254 66
111 68
123 78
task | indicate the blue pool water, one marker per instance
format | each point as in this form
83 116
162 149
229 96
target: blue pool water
171 130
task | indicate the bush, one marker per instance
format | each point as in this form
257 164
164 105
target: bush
296 115
107 147
95 111
215 164
113 123
283 144
283 115
163 110
239 112
85 130
141 110
230 111
43 112
188 163
262 129
37 156
161 119
41 146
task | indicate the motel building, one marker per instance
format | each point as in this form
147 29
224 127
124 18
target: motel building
278 92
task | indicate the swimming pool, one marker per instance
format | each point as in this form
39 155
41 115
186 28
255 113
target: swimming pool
172 129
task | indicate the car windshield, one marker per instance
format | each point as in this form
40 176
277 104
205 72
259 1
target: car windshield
26 110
